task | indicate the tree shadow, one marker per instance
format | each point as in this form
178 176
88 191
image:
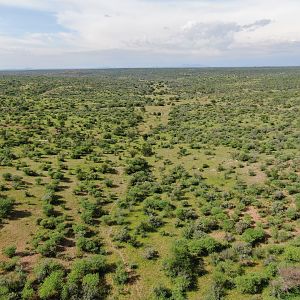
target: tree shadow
63 188
59 200
68 243
114 186
67 180
19 214
133 277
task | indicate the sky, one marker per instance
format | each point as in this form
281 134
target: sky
50 34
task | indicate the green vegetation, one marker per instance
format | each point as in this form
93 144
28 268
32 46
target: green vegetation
150 184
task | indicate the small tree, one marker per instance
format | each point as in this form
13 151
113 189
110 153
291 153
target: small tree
52 285
292 254
162 293
6 206
182 263
91 287
250 283
253 235
121 275
10 251
28 291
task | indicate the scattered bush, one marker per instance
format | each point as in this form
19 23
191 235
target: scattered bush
253 235
251 283
9 251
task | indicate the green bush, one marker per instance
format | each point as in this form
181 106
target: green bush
136 165
28 292
48 209
7 176
45 267
11 284
9 251
9 265
182 263
6 206
93 265
204 246
253 235
88 245
162 293
121 275
52 285
251 283
297 201
292 254
229 268
48 248
151 253
91 287
123 235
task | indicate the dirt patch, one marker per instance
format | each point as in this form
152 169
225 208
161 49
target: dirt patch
218 235
259 177
252 211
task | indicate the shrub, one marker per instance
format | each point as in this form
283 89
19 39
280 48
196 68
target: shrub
80 268
51 286
6 206
9 251
253 235
3 188
28 291
279 195
162 293
297 202
90 211
10 285
48 248
29 172
186 214
182 263
121 275
87 217
204 246
49 197
292 254
287 285
108 182
80 229
88 245
135 165
45 267
7 176
94 264
50 223
217 287
250 283
48 209
123 235
241 226
229 268
9 265
146 149
151 253
91 287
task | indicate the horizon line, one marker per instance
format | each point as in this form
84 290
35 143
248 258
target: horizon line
145 67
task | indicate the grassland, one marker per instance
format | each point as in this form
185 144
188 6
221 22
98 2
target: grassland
150 184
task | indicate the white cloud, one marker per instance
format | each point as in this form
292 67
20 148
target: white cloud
198 37
204 28
32 4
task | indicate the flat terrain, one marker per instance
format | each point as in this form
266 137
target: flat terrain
150 184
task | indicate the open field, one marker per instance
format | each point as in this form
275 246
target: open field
150 184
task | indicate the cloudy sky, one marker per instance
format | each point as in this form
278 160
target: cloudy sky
148 33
